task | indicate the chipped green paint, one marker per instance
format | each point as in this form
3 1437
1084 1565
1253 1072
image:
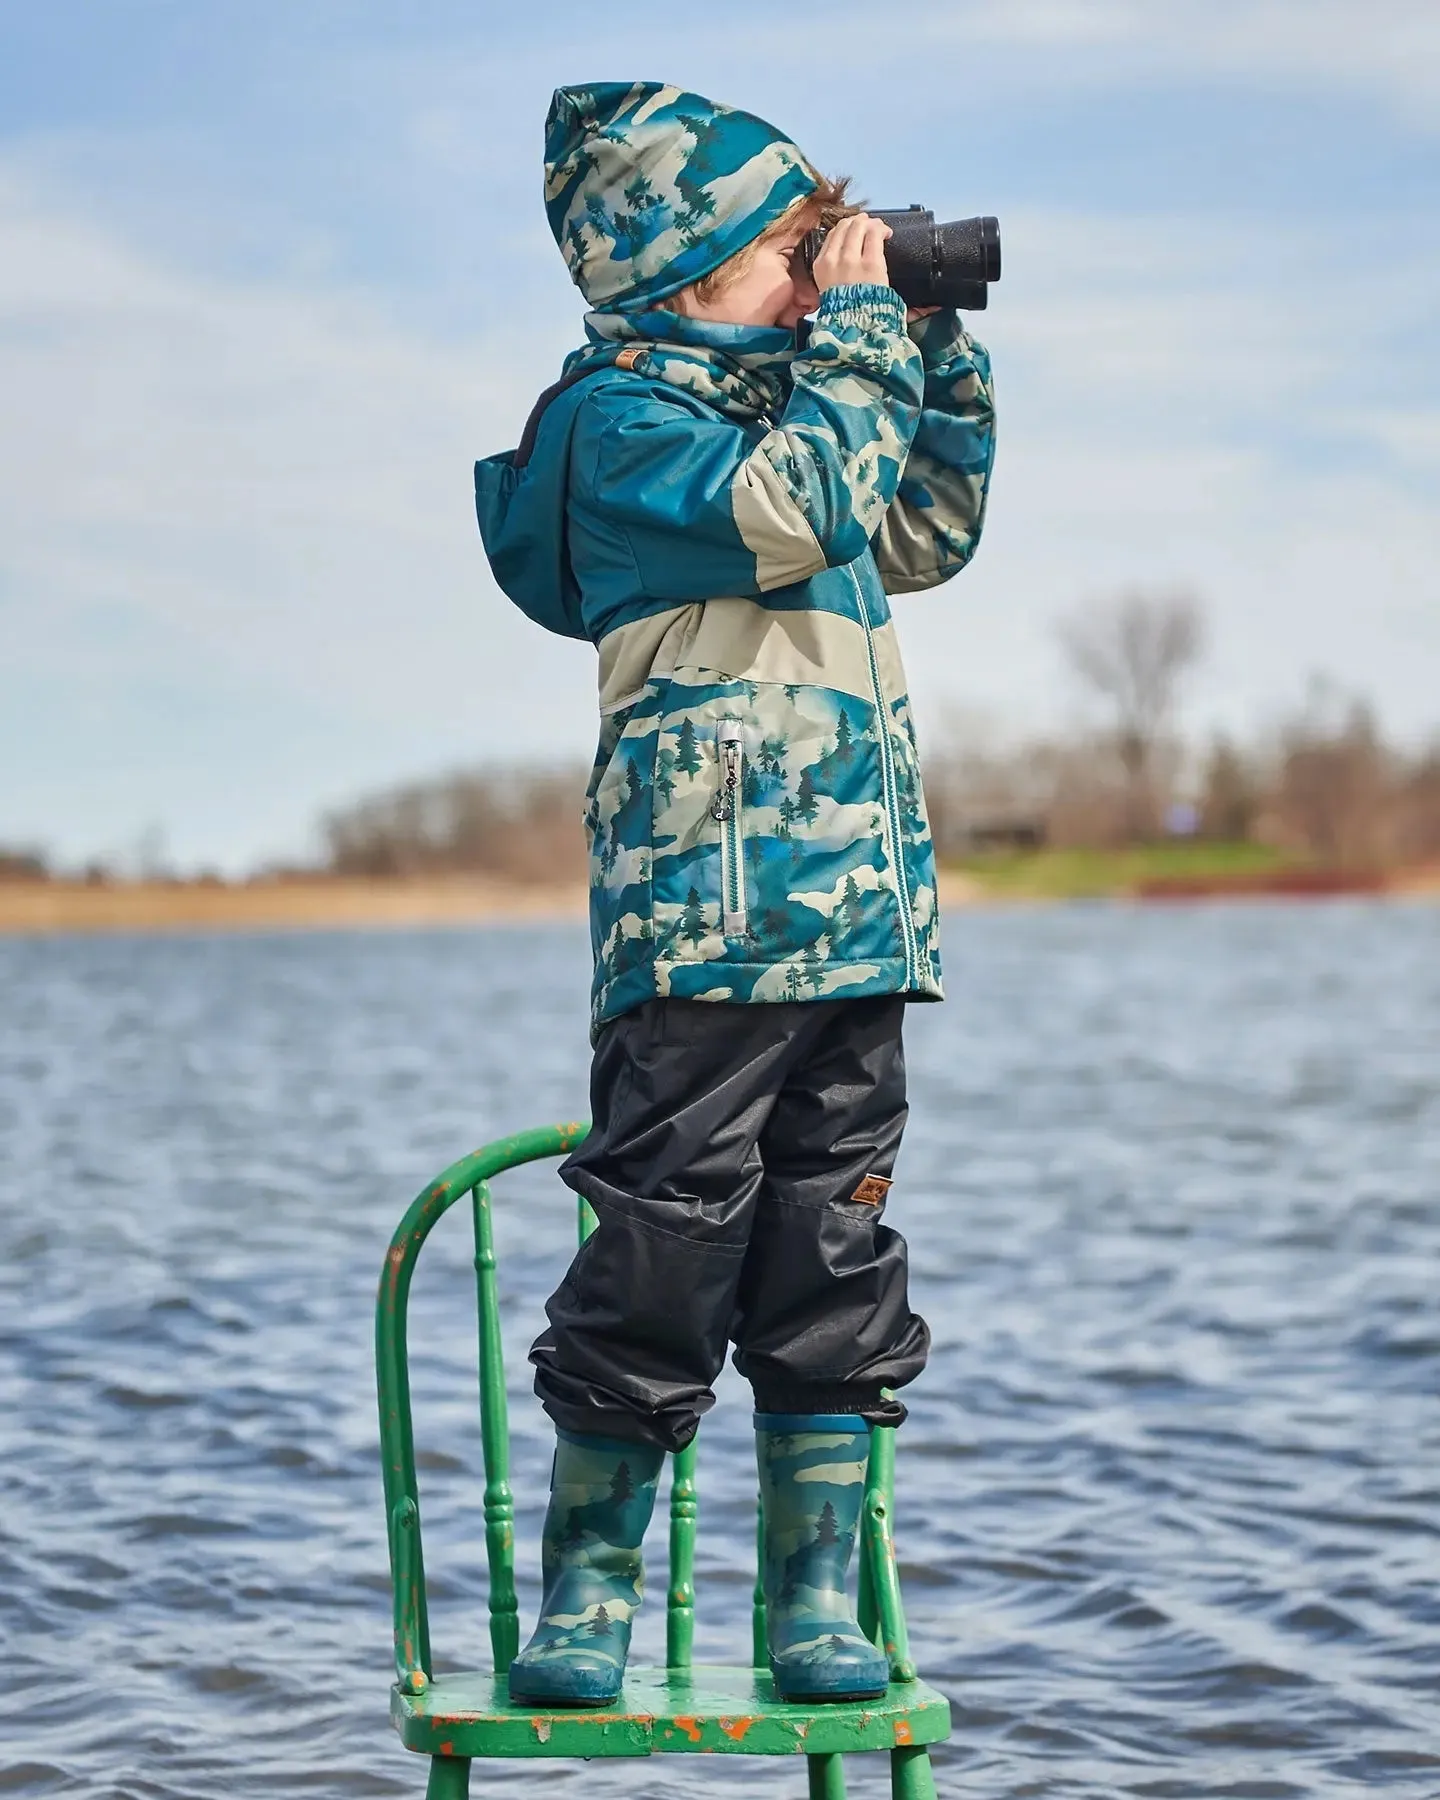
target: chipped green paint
676 1710
705 1709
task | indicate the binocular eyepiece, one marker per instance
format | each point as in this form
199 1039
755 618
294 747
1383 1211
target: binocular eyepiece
930 264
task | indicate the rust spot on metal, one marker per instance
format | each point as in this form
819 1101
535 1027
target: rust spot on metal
448 1747
691 1728
735 1729
903 1733
541 1728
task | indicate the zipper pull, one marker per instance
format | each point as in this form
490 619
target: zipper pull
722 807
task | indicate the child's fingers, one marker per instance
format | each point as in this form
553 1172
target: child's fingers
854 252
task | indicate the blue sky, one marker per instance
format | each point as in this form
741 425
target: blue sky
272 275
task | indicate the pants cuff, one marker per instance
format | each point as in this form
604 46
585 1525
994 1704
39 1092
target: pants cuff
794 1398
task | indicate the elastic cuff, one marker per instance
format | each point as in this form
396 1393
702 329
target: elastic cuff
863 303
867 1401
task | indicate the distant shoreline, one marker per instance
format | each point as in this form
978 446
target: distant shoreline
44 908
53 908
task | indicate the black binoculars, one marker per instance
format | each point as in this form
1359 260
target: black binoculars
930 264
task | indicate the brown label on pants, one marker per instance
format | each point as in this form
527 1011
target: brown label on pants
872 1191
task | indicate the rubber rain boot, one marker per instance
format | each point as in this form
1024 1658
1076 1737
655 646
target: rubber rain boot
812 1483
602 1493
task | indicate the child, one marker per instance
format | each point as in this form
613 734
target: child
720 499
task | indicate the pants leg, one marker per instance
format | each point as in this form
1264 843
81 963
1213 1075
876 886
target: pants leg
680 1093
823 1319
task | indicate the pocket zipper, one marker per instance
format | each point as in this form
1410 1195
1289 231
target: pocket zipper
727 808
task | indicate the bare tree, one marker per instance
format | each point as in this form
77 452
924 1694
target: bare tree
1336 788
1133 651
523 824
1231 793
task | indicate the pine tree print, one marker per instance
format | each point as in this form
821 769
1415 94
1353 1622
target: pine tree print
622 1488
851 902
788 811
600 1624
814 969
792 981
665 776
692 919
844 738
687 757
825 1533
806 804
771 925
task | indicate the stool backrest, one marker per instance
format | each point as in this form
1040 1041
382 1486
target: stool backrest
880 1609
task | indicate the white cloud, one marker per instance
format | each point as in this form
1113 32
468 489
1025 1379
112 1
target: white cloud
264 488
1179 404
261 483
1390 48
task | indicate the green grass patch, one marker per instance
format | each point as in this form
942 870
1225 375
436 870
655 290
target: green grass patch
1091 874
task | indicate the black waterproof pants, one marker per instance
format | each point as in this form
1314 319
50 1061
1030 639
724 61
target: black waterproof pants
738 1164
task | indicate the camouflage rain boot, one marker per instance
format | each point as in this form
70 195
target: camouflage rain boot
601 1496
812 1482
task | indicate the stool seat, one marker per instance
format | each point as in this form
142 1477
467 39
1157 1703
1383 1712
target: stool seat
708 1708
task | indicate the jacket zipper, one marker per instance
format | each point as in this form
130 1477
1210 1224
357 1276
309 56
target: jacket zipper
728 808
892 796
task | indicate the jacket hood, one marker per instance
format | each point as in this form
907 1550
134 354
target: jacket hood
521 514
648 187
739 369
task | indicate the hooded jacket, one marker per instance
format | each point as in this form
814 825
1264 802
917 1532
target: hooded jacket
723 510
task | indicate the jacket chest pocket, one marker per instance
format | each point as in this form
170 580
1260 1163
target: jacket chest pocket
728 810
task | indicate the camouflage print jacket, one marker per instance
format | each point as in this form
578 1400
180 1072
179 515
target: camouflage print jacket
723 516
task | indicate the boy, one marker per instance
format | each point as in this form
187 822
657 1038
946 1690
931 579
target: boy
720 500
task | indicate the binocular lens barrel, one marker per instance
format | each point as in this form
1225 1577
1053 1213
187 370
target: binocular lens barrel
935 265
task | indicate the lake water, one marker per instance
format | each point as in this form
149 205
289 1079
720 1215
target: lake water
1170 1494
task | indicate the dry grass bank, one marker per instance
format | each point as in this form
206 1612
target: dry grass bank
344 904
293 905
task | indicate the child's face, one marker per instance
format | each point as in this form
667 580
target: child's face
775 290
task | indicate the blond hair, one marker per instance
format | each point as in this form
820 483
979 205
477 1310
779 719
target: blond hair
815 211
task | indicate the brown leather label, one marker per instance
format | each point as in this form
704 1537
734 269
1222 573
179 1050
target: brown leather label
872 1191
629 356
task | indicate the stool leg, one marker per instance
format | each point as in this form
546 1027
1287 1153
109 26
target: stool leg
910 1774
449 1778
827 1776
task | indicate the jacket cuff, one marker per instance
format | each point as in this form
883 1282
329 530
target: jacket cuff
864 305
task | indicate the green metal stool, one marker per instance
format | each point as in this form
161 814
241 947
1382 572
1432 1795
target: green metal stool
679 1709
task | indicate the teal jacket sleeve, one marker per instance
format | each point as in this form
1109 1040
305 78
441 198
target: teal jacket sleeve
705 510
932 526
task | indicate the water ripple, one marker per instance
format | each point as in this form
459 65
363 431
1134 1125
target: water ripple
1170 1497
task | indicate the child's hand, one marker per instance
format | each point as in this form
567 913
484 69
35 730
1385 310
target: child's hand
912 313
853 254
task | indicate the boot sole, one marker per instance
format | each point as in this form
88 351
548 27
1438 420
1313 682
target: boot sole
579 1702
821 1699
